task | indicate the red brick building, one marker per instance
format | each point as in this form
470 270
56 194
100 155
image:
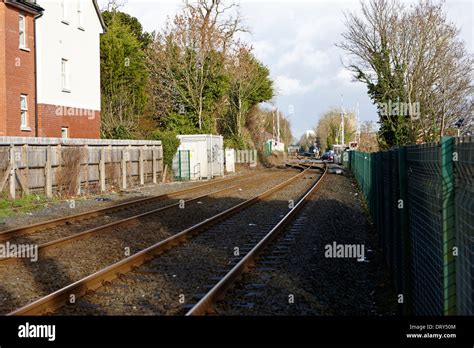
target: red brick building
17 67
50 68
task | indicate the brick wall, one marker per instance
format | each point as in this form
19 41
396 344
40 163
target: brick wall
3 95
17 72
17 76
81 123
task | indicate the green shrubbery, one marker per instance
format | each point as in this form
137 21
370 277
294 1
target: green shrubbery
170 144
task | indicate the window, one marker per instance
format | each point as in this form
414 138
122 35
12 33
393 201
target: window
65 19
24 111
64 132
80 17
65 75
22 31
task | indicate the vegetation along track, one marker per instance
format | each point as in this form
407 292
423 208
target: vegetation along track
169 284
24 281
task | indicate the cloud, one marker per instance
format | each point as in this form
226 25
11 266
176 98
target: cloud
263 49
345 77
305 54
287 86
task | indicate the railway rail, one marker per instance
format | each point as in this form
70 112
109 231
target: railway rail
248 261
71 236
133 264
41 226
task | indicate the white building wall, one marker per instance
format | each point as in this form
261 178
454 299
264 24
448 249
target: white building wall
57 40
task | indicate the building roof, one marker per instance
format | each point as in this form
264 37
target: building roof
29 6
101 19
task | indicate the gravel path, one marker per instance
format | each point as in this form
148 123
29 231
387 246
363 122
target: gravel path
295 278
171 283
23 281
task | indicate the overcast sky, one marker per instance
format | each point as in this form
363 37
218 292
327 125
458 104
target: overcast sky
295 39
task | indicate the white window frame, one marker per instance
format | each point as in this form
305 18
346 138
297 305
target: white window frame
65 130
80 15
22 32
64 11
24 112
65 78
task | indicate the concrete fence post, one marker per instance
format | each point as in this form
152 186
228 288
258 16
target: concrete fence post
12 179
124 169
141 167
24 159
102 170
48 173
153 163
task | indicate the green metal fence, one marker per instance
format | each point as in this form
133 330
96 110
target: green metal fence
421 201
182 165
464 224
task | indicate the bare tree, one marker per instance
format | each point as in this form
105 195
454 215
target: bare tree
414 56
368 137
328 129
191 50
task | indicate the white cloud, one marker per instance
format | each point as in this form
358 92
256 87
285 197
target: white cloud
287 86
345 77
263 50
306 54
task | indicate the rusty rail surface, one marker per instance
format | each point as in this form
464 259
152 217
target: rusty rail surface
59 298
128 220
218 291
15 232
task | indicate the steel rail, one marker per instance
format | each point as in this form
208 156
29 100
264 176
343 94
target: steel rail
15 232
109 226
125 221
59 298
217 292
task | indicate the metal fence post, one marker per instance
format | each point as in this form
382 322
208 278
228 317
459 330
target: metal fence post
448 225
404 230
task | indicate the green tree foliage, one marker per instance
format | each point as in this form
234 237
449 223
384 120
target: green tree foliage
250 85
328 129
194 76
417 70
202 79
124 77
170 144
131 22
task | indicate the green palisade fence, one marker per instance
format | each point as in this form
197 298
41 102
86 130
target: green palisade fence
421 199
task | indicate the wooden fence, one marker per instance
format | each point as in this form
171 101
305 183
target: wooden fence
76 166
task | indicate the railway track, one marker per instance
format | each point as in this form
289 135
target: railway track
76 219
210 245
64 234
64 263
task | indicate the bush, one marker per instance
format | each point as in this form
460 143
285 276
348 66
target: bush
170 145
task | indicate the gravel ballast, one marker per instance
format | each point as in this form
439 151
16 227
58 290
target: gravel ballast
174 281
294 276
23 281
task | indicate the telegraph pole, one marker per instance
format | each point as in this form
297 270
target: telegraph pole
358 124
278 119
342 119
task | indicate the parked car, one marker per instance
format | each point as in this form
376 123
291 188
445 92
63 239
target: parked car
328 156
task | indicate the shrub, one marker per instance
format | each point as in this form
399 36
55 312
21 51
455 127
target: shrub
170 145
